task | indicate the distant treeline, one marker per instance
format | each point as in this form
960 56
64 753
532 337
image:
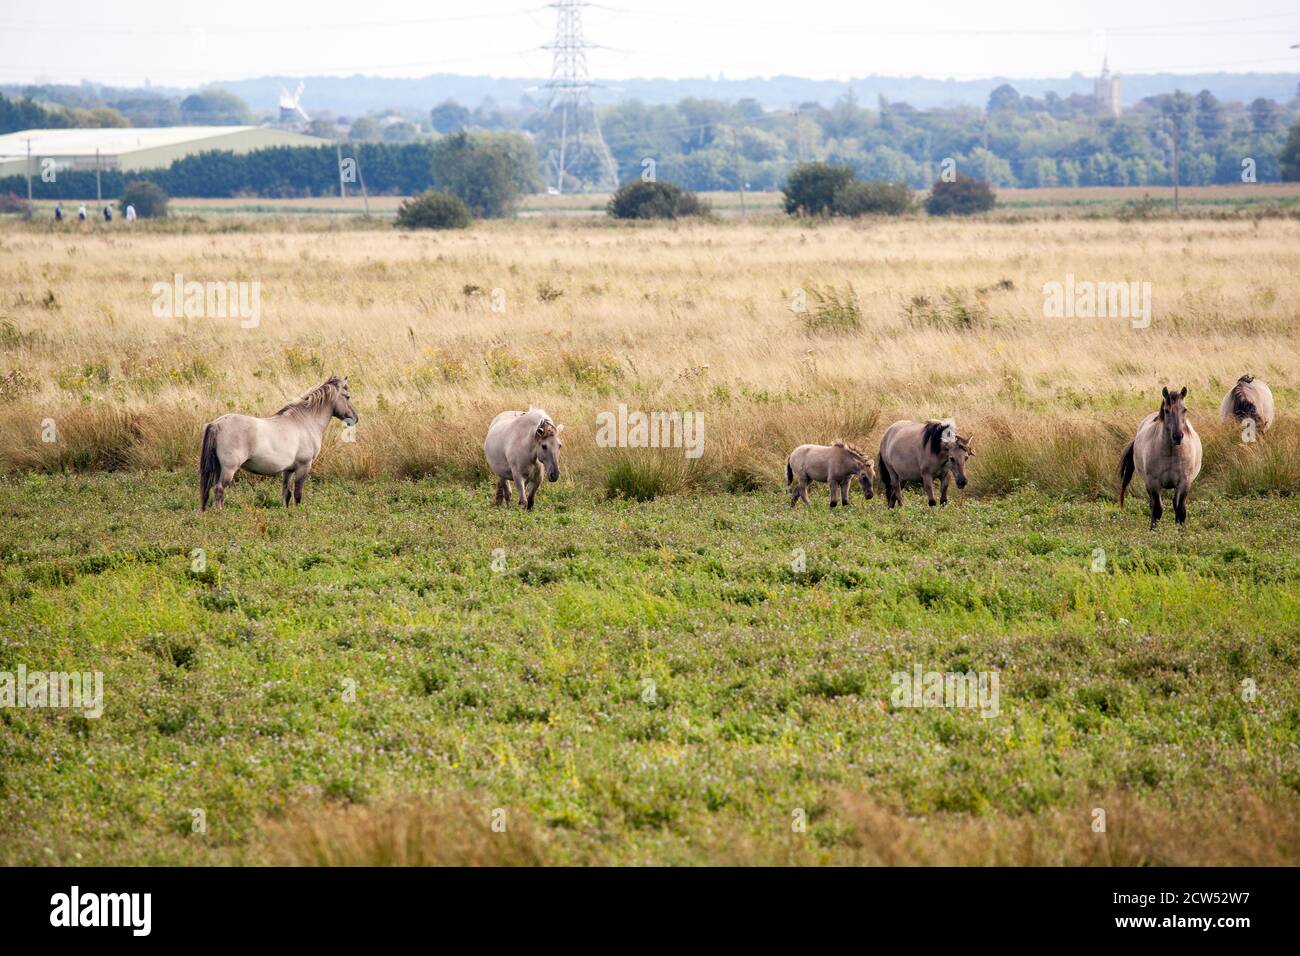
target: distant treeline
276 172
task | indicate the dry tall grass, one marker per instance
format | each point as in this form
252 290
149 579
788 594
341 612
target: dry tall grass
662 317
1208 829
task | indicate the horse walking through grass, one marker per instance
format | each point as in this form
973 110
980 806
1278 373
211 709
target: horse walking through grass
519 445
922 451
1249 400
836 464
286 444
1166 453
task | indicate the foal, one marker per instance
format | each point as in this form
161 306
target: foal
1166 453
836 464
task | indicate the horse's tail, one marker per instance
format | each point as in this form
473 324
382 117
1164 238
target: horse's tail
789 473
884 476
209 465
1126 469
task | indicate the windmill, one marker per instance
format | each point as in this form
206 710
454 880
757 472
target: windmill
291 111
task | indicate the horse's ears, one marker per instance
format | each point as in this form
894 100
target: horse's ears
559 428
1164 391
1183 393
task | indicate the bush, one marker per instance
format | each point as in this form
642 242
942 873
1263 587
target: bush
876 198
811 188
433 210
149 200
964 196
654 200
12 202
834 311
486 173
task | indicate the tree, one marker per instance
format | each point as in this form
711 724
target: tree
1004 99
365 130
811 188
1265 116
480 172
433 210
1289 159
654 200
148 198
962 196
449 117
215 108
872 198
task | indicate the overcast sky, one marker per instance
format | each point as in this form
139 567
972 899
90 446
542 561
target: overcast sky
191 42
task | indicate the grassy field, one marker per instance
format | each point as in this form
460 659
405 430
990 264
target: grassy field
649 682
661 663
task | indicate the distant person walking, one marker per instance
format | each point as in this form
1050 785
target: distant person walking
108 213
81 212
58 212
130 213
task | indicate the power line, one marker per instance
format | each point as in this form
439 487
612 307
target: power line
588 160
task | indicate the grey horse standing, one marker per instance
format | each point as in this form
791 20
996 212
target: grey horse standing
285 444
922 451
519 445
1166 453
836 464
1250 399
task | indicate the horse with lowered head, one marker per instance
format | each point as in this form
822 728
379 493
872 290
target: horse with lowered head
920 451
836 464
1250 399
286 444
1166 453
519 445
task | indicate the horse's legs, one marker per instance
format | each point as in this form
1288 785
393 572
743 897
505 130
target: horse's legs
803 492
943 487
503 492
796 492
534 479
893 487
928 481
519 480
299 479
219 492
1157 509
833 484
844 490
284 486
1180 504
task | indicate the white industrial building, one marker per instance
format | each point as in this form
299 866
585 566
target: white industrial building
133 148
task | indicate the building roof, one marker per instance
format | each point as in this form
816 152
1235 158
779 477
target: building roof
116 142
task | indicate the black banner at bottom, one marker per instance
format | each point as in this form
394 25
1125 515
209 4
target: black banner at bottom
332 906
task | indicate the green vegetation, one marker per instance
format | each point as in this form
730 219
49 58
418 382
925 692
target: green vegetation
654 200
961 196
149 200
634 682
433 210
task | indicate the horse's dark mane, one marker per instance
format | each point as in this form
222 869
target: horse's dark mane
317 396
932 435
1242 406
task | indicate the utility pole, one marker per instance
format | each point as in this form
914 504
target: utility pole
588 157
338 155
740 180
361 179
